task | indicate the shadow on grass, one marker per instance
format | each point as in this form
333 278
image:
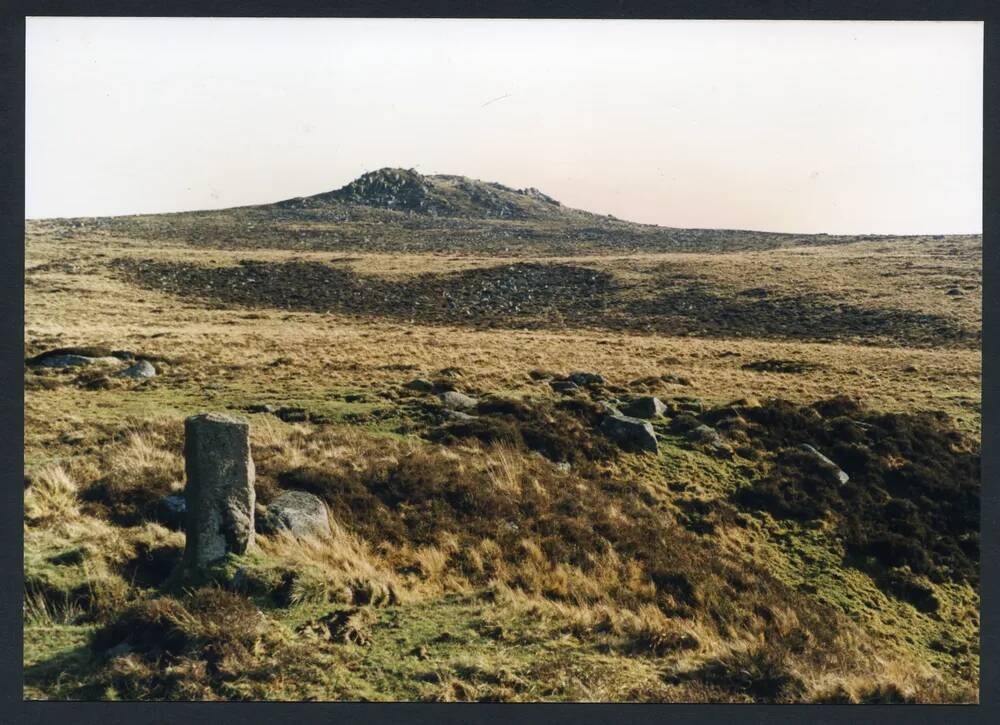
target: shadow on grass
63 676
542 296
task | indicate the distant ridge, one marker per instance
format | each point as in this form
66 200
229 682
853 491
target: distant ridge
402 210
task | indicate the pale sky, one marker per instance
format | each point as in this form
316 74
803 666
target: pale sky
838 127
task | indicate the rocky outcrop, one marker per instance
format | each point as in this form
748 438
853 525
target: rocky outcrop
438 195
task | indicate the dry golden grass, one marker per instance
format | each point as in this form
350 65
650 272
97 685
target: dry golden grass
237 350
51 497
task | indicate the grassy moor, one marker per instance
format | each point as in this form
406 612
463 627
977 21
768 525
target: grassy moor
561 456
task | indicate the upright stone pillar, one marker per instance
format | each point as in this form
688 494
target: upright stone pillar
219 492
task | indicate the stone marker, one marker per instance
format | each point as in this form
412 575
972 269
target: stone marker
219 493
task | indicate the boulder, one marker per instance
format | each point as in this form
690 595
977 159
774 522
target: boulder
454 400
71 360
648 406
675 379
420 385
586 378
688 404
458 415
219 494
298 512
630 433
262 408
716 415
563 386
171 511
609 407
139 371
704 434
709 437
826 463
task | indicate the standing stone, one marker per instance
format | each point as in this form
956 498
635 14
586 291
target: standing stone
219 493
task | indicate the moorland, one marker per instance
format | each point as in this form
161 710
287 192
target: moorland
505 548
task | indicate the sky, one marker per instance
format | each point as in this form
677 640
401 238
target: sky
837 127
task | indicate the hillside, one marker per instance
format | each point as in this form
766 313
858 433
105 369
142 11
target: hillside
445 364
397 210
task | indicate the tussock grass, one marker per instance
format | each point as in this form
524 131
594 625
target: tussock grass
51 496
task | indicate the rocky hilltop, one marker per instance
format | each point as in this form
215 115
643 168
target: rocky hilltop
435 195
400 210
